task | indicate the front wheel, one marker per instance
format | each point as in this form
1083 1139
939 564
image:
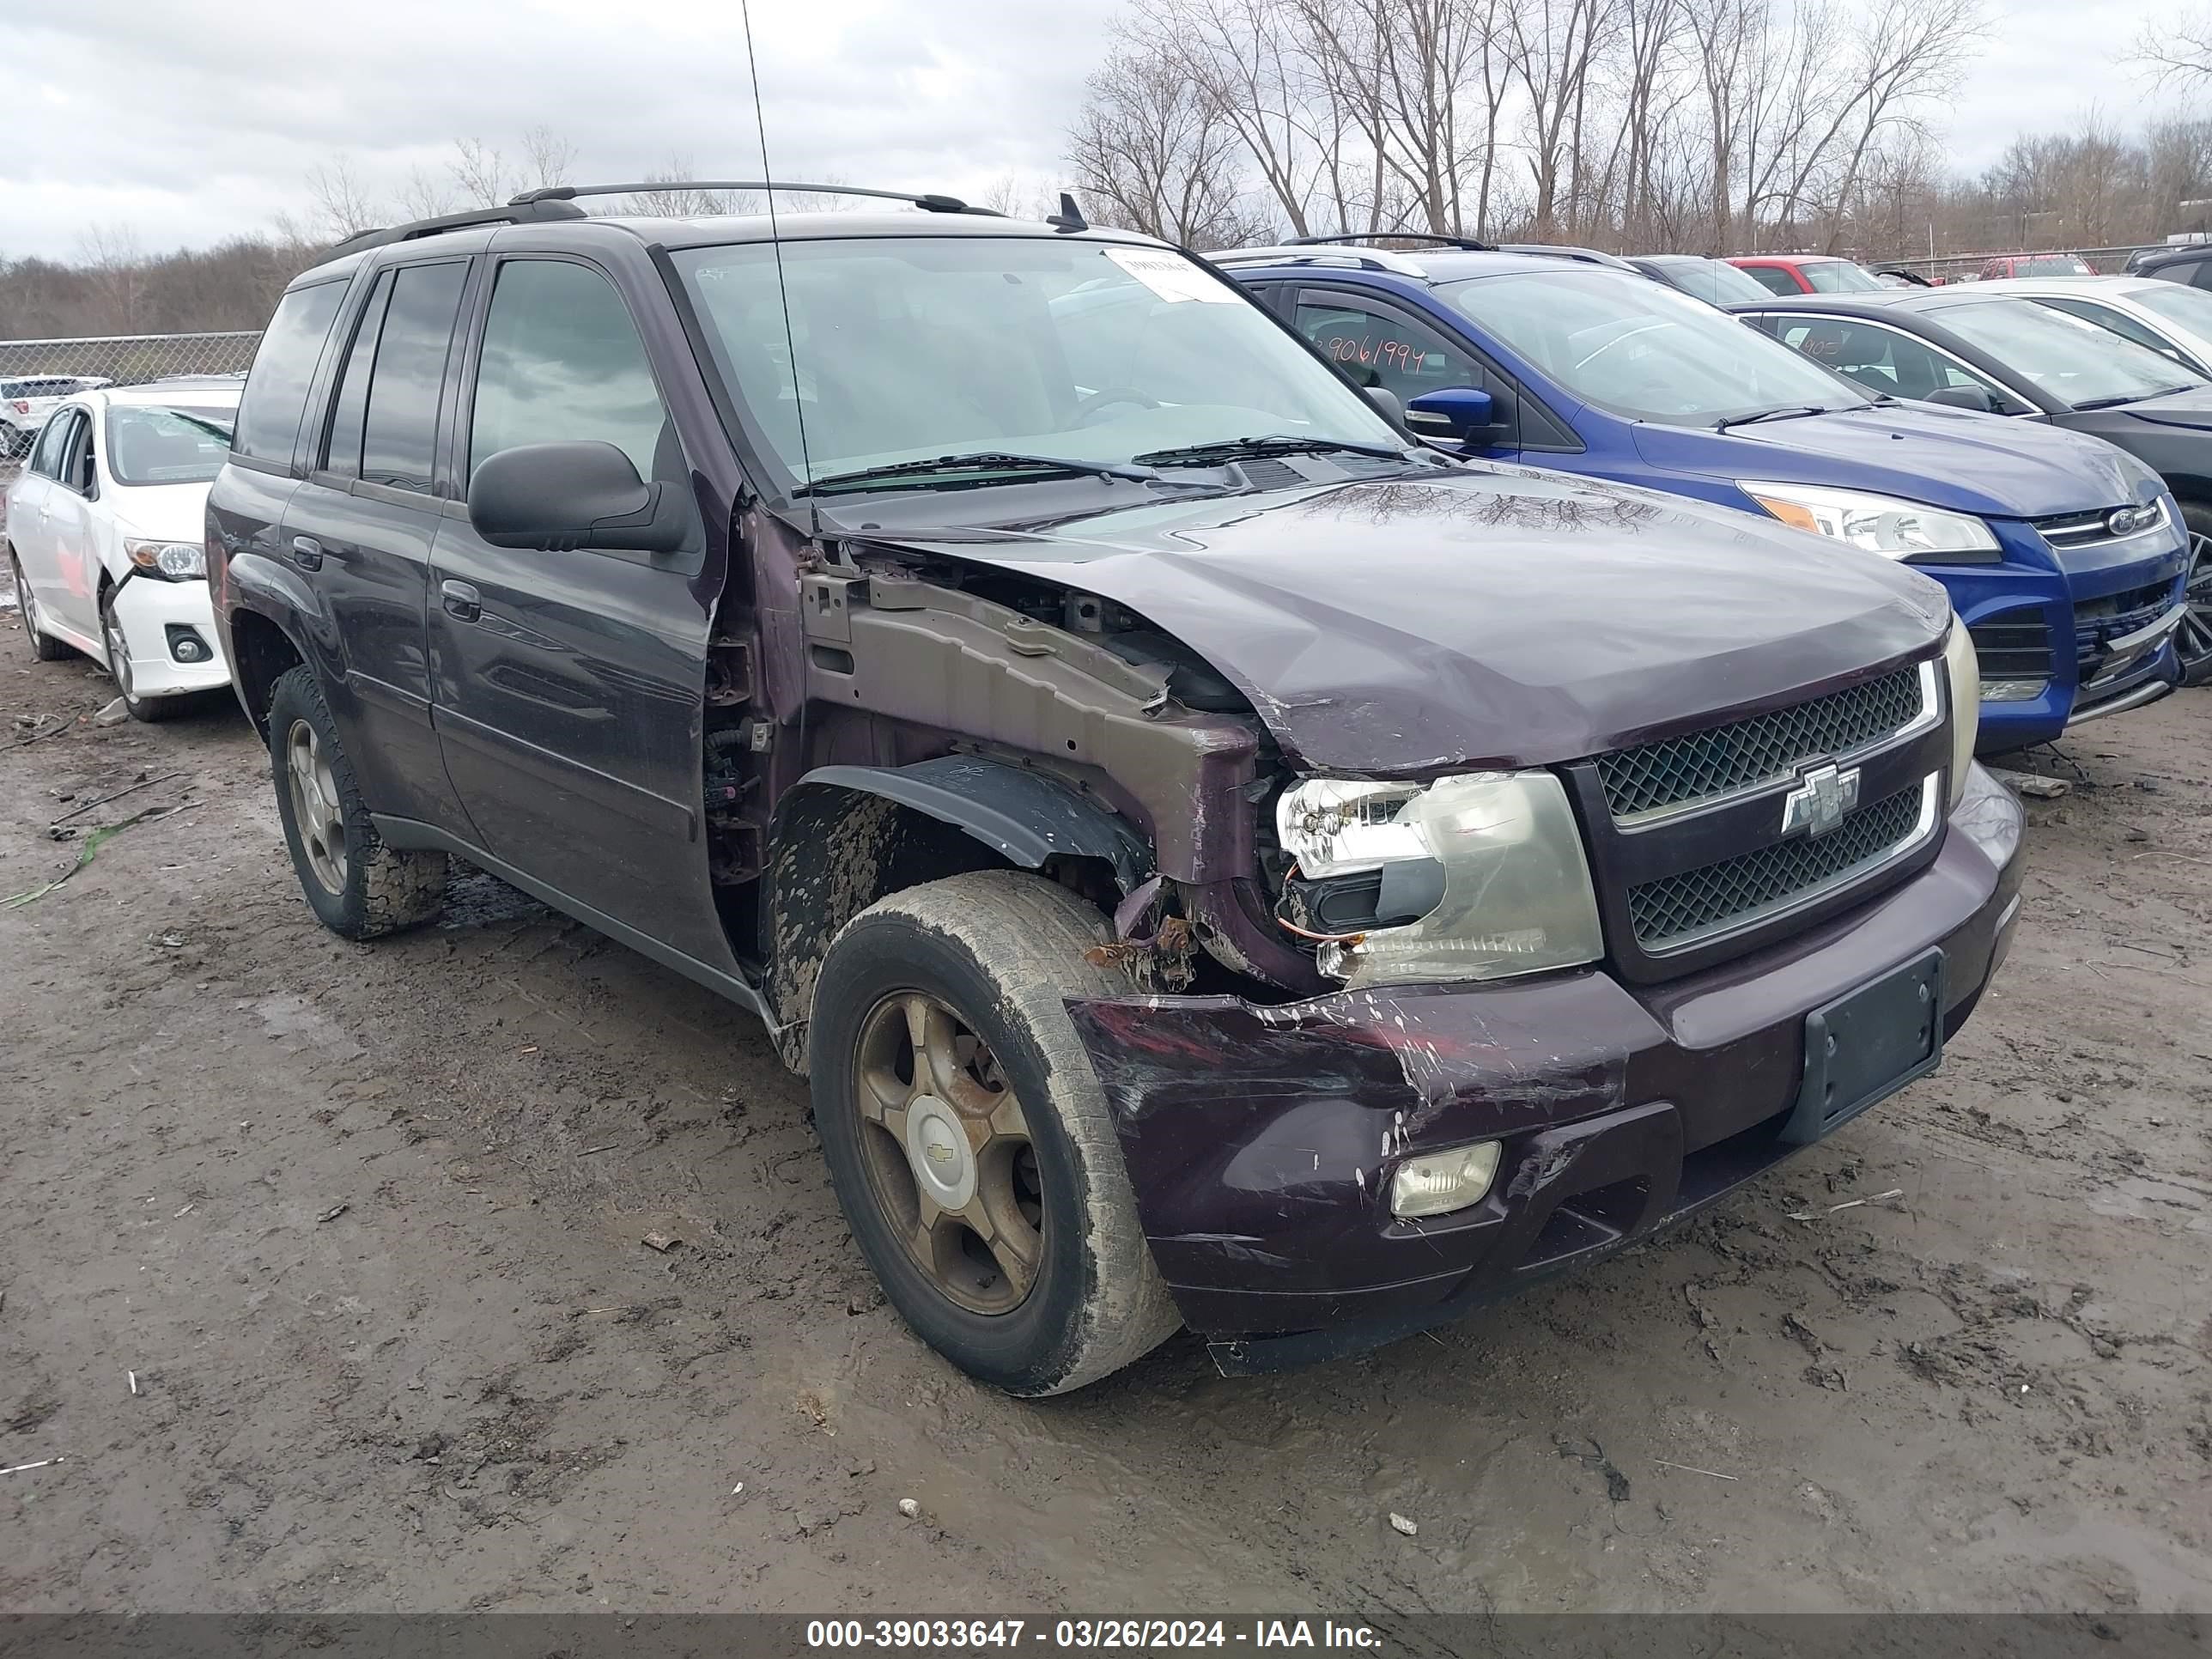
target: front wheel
2192 641
969 1144
358 886
117 648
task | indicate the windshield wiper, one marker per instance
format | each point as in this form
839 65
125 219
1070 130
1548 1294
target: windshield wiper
1255 448
1787 412
954 466
2137 396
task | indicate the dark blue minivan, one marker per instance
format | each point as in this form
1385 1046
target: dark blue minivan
1581 368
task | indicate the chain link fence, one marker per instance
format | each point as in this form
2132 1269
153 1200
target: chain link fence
1967 267
35 373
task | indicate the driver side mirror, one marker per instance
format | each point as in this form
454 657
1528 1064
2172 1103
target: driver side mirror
1457 413
553 497
1963 397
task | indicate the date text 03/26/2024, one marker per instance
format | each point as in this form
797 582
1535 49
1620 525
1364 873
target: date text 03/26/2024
1124 1634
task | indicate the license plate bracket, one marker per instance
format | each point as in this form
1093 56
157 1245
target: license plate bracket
1865 1047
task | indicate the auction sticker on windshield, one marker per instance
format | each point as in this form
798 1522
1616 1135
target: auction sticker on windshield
1172 276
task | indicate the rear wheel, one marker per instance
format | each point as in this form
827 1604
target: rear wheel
44 647
2192 641
970 1145
357 885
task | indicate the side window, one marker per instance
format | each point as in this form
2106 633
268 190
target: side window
1386 349
53 443
350 407
1772 278
399 426
2124 326
562 363
76 470
276 393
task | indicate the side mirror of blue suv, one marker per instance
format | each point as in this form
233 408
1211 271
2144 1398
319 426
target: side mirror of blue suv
1963 397
1457 413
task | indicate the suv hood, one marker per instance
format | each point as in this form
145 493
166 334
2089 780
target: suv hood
1991 465
1490 616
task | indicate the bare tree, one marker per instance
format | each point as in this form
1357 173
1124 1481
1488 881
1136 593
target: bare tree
547 158
114 268
339 204
482 173
1148 155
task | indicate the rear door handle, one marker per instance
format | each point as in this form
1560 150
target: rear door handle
461 601
306 553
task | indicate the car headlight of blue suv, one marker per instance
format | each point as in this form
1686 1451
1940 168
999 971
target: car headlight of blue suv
1886 525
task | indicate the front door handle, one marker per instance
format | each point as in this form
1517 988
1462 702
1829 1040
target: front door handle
306 553
461 601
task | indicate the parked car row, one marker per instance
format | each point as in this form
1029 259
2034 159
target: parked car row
1225 850
2041 537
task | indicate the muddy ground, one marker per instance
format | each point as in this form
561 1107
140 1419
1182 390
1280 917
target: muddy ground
362 1226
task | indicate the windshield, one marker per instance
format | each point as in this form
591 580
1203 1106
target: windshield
2053 264
915 348
1644 351
167 443
2073 361
1840 277
1711 279
2191 307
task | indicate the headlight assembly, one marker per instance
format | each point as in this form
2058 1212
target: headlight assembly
1964 671
1881 524
173 561
1476 877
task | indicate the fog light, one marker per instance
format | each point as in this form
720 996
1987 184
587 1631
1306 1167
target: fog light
2013 691
186 646
1440 1182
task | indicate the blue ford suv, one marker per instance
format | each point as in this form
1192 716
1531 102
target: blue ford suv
1578 368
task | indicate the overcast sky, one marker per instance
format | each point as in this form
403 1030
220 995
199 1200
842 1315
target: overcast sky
181 123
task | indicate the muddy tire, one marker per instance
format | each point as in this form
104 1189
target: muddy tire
2193 640
358 886
43 646
970 1143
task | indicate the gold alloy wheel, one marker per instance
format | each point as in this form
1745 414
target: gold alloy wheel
315 811
947 1151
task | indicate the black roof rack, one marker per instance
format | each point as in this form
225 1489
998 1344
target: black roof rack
517 212
559 202
1466 242
927 202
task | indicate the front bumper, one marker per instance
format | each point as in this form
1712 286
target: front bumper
1261 1141
150 612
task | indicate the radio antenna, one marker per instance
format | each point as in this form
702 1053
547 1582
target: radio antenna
782 290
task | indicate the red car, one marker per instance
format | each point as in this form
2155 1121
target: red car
1808 273
2036 265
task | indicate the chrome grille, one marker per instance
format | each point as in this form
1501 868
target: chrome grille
1760 750
1696 903
2071 530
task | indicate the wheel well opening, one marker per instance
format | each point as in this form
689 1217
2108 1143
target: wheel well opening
834 852
260 655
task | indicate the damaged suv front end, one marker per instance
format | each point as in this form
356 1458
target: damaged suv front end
1499 865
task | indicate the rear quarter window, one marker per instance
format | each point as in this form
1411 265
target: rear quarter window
276 393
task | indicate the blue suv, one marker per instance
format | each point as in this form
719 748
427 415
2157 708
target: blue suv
1571 365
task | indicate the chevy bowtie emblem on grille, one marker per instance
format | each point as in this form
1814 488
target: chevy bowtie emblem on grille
1821 801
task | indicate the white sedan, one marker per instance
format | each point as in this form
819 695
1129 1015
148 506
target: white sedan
2172 318
105 532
